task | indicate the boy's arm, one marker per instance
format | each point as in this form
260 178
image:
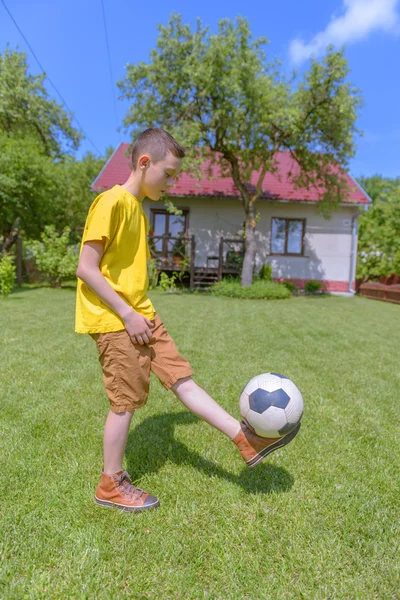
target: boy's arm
137 326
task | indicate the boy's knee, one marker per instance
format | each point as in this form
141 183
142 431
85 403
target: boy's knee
183 384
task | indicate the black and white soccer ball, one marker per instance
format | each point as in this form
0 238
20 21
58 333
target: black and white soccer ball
272 405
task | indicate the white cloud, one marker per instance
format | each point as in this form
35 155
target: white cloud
360 18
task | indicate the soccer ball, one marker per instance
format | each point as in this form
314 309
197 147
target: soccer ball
271 405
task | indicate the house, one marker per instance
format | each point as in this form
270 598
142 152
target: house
291 235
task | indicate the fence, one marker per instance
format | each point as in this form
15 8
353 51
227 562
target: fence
380 291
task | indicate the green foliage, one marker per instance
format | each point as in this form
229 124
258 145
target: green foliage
35 191
40 182
312 287
74 197
379 230
179 247
152 273
28 185
290 286
54 256
167 284
171 207
234 259
7 275
378 187
258 290
194 86
185 266
27 111
265 273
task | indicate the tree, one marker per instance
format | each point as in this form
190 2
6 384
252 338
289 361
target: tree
28 187
221 97
378 187
36 135
379 229
27 111
75 196
36 191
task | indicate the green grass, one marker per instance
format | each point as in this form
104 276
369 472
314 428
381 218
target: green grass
317 520
259 290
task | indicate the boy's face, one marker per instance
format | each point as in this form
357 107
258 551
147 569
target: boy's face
158 178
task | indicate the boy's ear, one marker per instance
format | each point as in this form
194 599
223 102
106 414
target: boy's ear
144 162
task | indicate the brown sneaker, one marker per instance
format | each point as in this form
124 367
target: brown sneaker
254 448
117 490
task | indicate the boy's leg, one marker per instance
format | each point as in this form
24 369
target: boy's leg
175 373
126 369
115 437
201 404
251 446
115 488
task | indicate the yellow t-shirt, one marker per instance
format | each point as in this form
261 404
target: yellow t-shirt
118 218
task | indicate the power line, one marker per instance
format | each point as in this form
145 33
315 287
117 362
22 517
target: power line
48 78
109 62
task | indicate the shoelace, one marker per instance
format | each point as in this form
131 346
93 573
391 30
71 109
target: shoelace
126 486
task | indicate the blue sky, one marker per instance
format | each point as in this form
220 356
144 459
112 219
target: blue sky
69 41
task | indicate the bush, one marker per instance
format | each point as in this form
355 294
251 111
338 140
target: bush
234 259
54 257
259 290
7 275
290 286
265 273
312 287
152 273
167 284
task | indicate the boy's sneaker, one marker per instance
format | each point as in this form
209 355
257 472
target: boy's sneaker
118 491
254 448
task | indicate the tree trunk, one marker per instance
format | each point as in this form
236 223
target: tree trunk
11 237
250 247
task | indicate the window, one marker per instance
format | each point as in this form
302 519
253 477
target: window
287 236
163 223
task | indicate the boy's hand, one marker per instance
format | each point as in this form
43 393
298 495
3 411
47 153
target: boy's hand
138 328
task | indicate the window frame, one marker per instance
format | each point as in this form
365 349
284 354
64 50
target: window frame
163 211
286 253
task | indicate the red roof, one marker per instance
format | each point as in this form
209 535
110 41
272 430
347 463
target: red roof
276 186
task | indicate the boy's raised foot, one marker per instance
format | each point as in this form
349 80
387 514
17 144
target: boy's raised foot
255 448
117 491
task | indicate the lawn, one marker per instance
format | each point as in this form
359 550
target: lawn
317 520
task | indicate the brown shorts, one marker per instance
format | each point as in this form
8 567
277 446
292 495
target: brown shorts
126 366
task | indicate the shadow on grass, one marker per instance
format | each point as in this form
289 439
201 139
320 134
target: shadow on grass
10 298
30 287
152 443
317 296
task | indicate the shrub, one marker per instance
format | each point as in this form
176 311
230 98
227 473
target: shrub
290 286
312 287
54 257
234 259
152 273
260 289
265 273
167 284
7 275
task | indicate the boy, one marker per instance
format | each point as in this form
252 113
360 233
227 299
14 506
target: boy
113 308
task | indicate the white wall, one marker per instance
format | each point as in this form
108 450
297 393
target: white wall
327 243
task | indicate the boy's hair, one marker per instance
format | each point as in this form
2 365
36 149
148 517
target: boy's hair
157 143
